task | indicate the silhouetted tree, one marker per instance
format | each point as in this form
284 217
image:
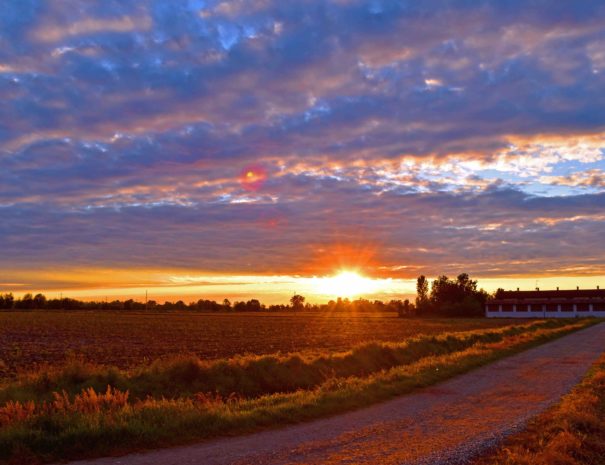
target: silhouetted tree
6 301
457 298
297 302
25 303
422 295
205 306
466 285
39 301
250 306
406 309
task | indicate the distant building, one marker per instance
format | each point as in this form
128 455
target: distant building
547 304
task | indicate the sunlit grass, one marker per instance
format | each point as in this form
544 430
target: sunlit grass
251 375
113 420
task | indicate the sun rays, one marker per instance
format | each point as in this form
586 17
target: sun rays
348 284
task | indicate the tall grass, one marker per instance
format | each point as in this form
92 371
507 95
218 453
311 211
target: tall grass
252 376
90 424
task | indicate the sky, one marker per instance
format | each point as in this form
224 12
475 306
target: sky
202 148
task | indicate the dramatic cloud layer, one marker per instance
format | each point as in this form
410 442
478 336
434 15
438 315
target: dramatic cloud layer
289 138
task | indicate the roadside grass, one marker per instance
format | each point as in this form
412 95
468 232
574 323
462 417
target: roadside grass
111 420
251 376
570 433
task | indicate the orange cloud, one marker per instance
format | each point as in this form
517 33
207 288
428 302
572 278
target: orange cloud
58 32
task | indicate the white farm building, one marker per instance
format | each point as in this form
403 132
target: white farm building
547 304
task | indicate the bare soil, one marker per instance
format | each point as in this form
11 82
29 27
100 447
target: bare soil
29 340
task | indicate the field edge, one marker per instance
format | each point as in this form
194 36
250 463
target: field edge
274 411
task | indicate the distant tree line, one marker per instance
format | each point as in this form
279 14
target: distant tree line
297 303
446 297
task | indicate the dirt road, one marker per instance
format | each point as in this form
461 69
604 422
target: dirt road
444 424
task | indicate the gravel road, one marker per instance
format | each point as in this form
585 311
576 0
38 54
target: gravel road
444 424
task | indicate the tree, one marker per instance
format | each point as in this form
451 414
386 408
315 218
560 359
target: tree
466 284
297 302
457 298
25 303
422 297
39 301
6 301
226 304
405 309
444 291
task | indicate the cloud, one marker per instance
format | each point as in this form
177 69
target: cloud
594 178
441 134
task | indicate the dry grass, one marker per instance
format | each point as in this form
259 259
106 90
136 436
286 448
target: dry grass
571 433
86 402
252 375
115 422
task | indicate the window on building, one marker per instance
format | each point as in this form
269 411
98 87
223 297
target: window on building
567 307
552 308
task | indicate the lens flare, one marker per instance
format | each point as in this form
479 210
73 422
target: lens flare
253 177
346 284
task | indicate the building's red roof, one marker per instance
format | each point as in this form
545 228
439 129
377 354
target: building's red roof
556 294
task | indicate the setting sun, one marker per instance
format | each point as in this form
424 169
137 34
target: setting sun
346 284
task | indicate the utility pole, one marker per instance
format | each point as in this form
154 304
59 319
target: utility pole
146 300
